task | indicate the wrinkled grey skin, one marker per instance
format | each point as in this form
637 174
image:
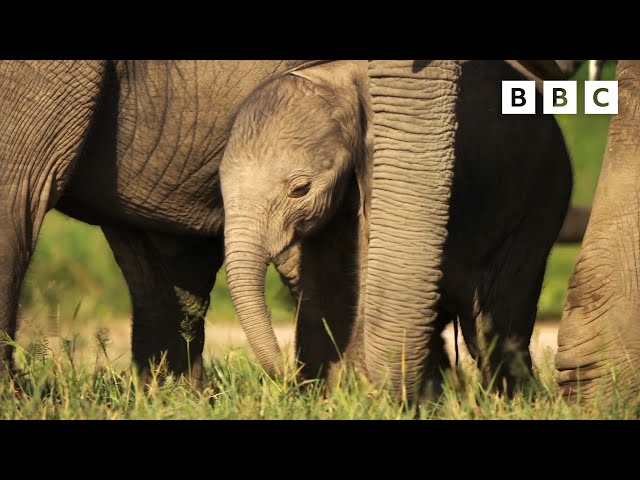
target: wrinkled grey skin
599 337
295 175
132 146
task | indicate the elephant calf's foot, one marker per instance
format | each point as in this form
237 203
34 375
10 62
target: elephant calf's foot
156 374
507 371
7 364
438 364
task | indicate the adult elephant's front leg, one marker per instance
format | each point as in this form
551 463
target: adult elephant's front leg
170 279
599 337
46 108
14 258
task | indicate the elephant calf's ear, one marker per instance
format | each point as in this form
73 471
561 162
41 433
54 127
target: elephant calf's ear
363 155
348 81
339 73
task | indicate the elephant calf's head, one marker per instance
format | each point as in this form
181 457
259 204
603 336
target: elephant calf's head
289 159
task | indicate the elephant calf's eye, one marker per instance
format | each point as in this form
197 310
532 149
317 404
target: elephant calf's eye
299 190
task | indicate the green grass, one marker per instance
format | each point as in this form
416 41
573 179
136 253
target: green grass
554 288
73 265
58 386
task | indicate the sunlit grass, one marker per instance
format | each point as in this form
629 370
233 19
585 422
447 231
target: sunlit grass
56 384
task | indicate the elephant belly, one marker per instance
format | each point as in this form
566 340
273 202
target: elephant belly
171 191
153 155
178 216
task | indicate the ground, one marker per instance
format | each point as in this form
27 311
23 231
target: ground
223 337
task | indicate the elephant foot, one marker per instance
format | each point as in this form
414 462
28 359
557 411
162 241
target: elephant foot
597 358
596 381
156 374
603 390
8 367
514 374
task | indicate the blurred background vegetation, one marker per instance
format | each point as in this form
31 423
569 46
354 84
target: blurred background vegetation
73 274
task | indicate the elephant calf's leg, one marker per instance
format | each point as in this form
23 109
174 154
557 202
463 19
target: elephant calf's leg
170 279
437 361
328 285
498 332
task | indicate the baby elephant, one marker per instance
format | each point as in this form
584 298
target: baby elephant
290 196
296 180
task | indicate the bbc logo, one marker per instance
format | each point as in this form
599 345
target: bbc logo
600 97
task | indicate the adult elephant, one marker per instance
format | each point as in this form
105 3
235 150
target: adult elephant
414 128
132 146
599 337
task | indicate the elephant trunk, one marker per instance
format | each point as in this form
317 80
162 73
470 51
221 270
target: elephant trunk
246 266
414 122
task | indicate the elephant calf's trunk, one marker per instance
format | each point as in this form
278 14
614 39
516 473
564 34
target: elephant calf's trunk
246 266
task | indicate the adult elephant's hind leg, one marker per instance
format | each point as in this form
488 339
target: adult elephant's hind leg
598 355
170 278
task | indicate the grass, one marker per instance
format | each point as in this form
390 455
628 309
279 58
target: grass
56 385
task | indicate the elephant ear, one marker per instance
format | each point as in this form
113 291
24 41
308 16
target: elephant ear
348 79
339 73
